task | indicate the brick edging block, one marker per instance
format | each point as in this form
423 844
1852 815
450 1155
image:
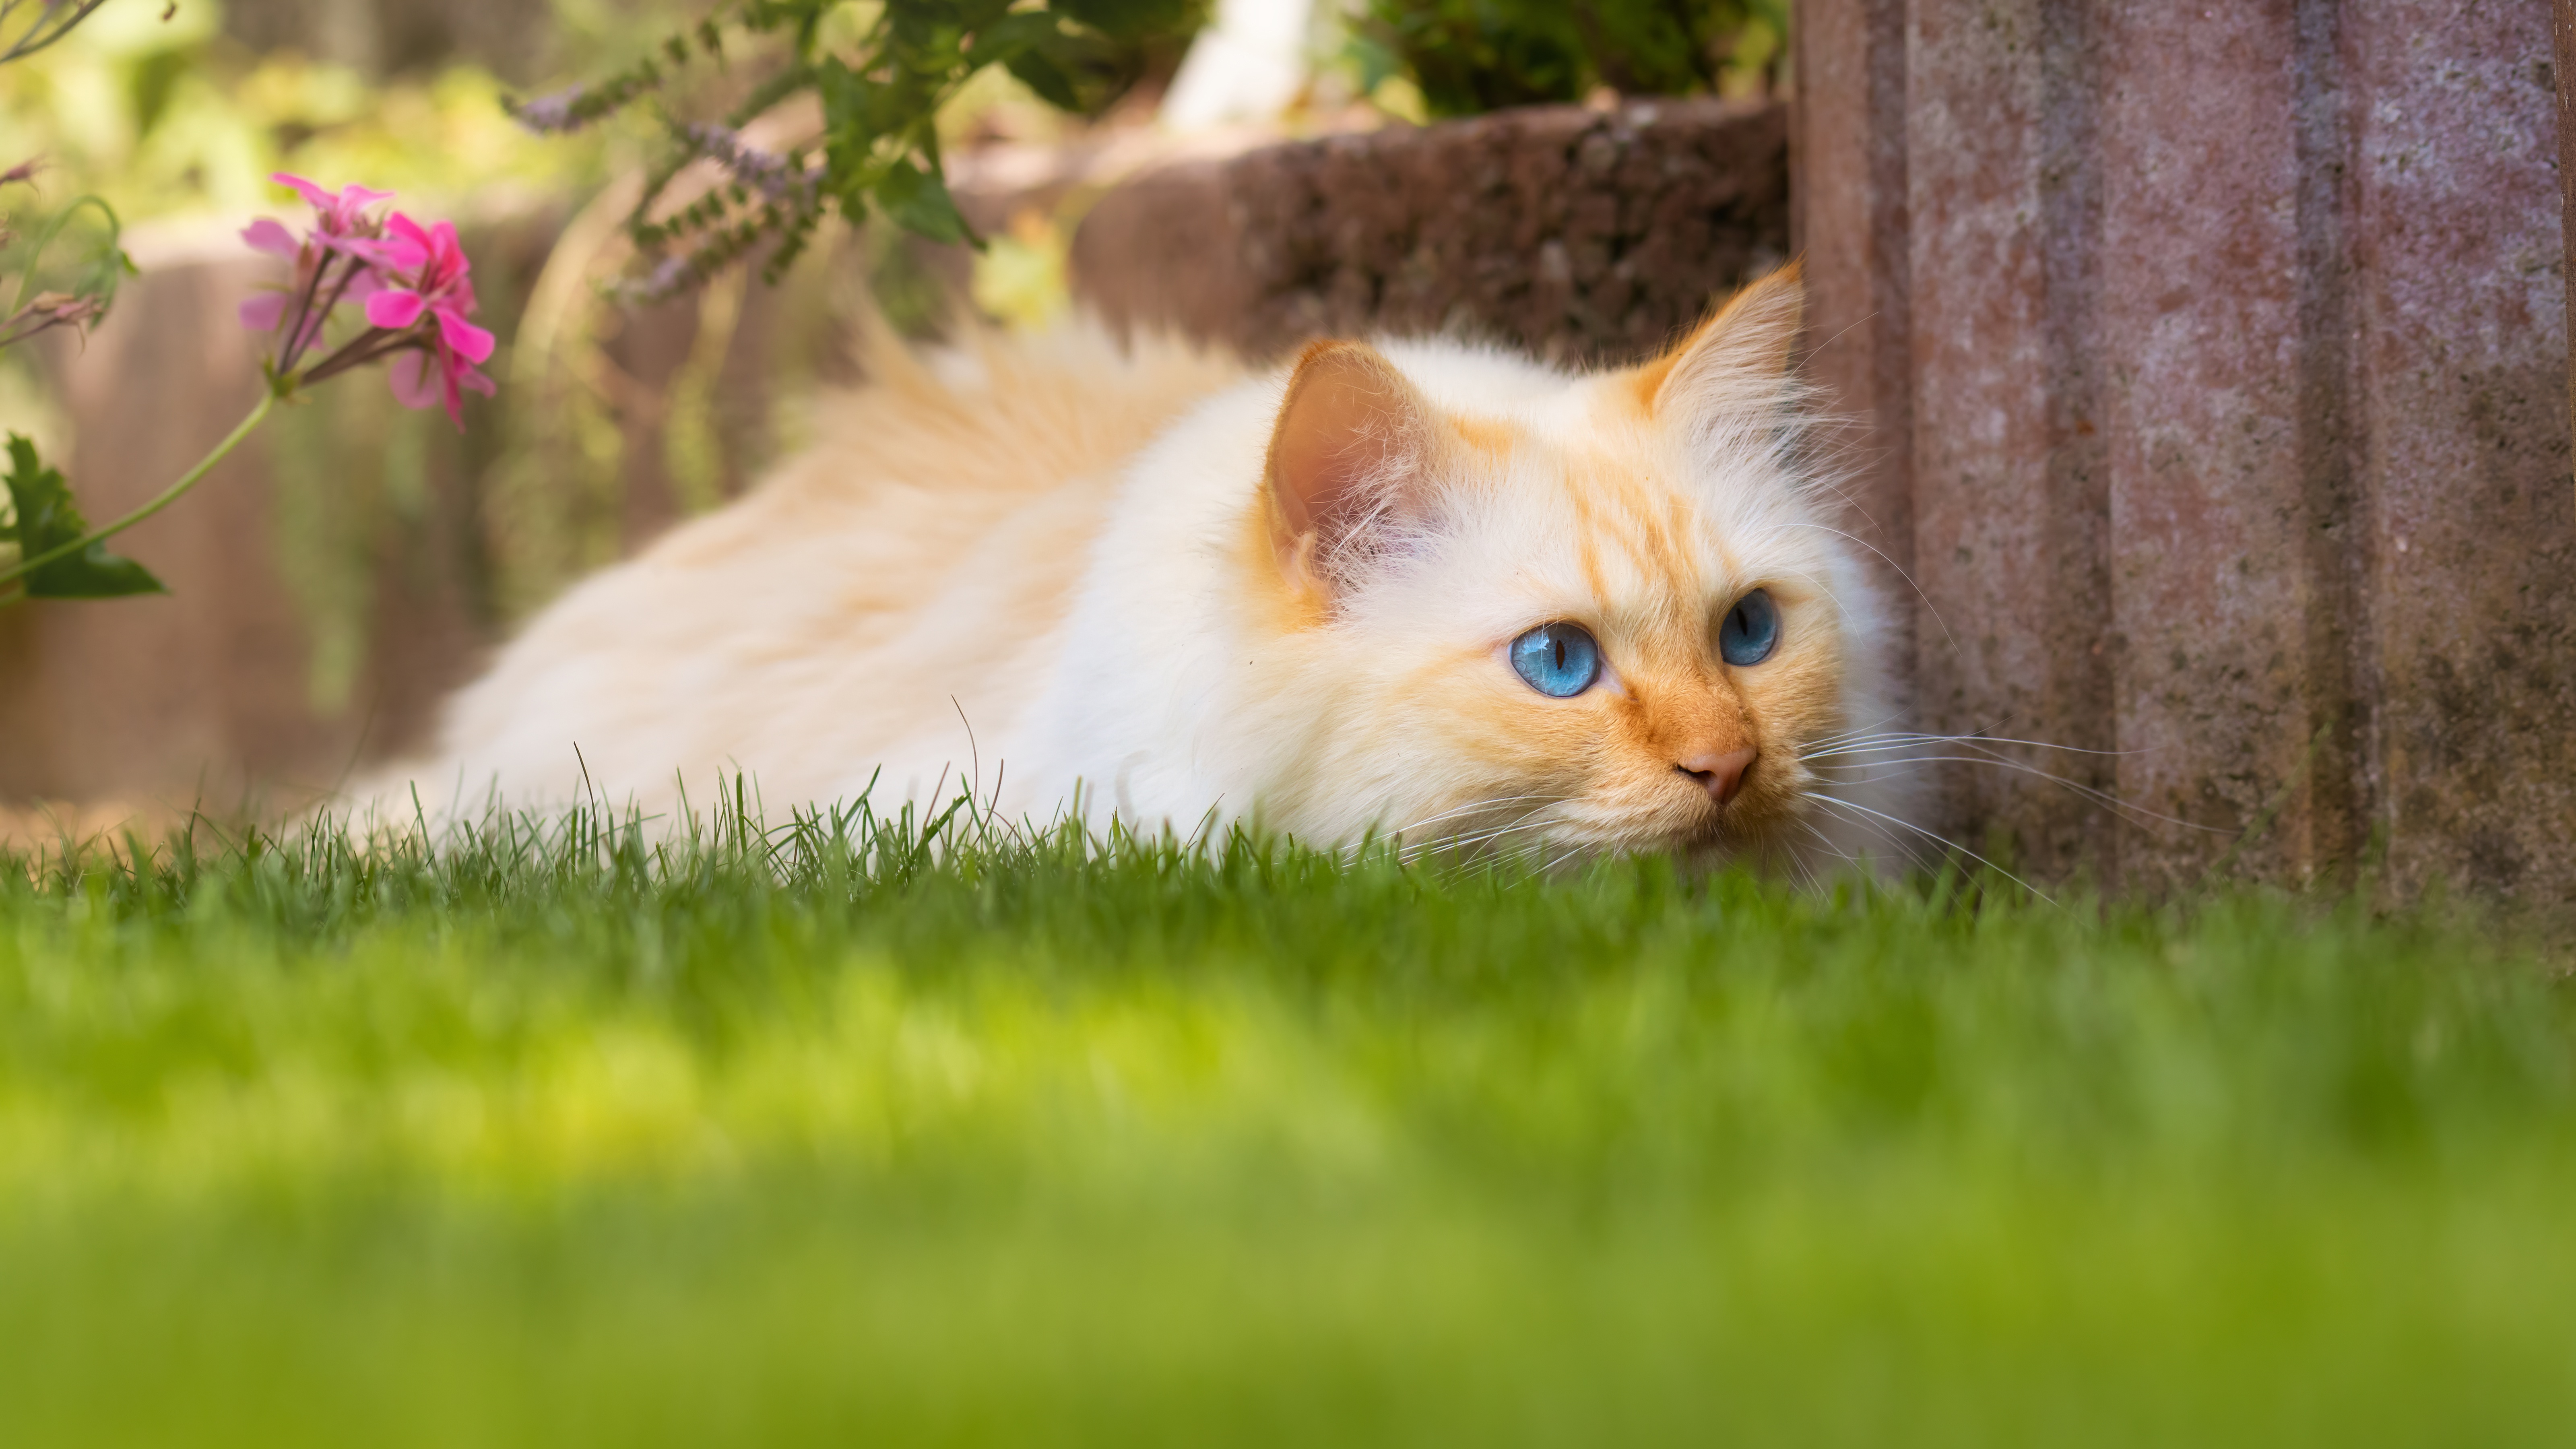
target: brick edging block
1580 235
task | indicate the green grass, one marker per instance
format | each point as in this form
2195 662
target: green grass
553 1140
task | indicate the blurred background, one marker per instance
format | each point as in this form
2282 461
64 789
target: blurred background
355 561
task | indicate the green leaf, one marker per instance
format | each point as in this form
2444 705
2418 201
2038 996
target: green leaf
853 106
1011 35
1131 18
1046 78
918 200
48 519
101 265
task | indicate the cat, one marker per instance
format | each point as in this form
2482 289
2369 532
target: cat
1411 589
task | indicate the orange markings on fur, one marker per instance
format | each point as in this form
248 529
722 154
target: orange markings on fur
1646 379
1696 714
1289 595
1492 438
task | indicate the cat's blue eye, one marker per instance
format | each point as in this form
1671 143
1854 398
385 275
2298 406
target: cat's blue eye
1750 630
1557 659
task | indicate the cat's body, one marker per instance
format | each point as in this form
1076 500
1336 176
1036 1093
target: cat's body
1173 592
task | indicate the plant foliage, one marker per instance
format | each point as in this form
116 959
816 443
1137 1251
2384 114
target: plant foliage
1470 56
879 97
28 26
44 518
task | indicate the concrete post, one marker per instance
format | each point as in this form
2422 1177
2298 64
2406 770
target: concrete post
2563 32
2220 359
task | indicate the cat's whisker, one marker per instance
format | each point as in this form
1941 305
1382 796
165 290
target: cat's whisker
1472 807
1837 801
1533 802
1901 744
1481 837
1860 740
1872 730
1827 842
1908 849
1814 876
1821 587
1569 853
1901 572
1457 852
2103 798
1926 737
1527 821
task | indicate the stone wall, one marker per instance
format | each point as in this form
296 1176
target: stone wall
2214 370
1577 234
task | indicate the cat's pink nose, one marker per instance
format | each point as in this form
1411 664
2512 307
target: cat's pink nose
1720 775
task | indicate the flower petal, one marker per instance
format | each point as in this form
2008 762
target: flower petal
394 308
407 232
474 379
310 191
469 341
366 249
407 248
271 236
263 312
373 251
414 384
451 252
357 198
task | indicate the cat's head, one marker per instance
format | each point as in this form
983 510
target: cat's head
1558 612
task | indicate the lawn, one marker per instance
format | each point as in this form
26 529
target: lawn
559 1137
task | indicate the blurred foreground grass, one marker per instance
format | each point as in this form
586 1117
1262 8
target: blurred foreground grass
555 1137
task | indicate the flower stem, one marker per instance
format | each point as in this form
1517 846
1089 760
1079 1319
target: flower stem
358 351
168 496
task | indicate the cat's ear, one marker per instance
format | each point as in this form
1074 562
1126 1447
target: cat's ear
1351 461
1733 365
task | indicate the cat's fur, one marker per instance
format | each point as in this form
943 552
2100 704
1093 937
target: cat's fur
1140 580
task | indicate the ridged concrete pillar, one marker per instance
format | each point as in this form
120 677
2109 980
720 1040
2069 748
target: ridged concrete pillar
2212 368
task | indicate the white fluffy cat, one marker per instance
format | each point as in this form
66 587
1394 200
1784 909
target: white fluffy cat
1418 588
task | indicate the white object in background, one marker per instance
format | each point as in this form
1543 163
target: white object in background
1247 66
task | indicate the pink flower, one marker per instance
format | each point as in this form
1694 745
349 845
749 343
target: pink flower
413 281
337 218
342 231
263 312
438 289
270 235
